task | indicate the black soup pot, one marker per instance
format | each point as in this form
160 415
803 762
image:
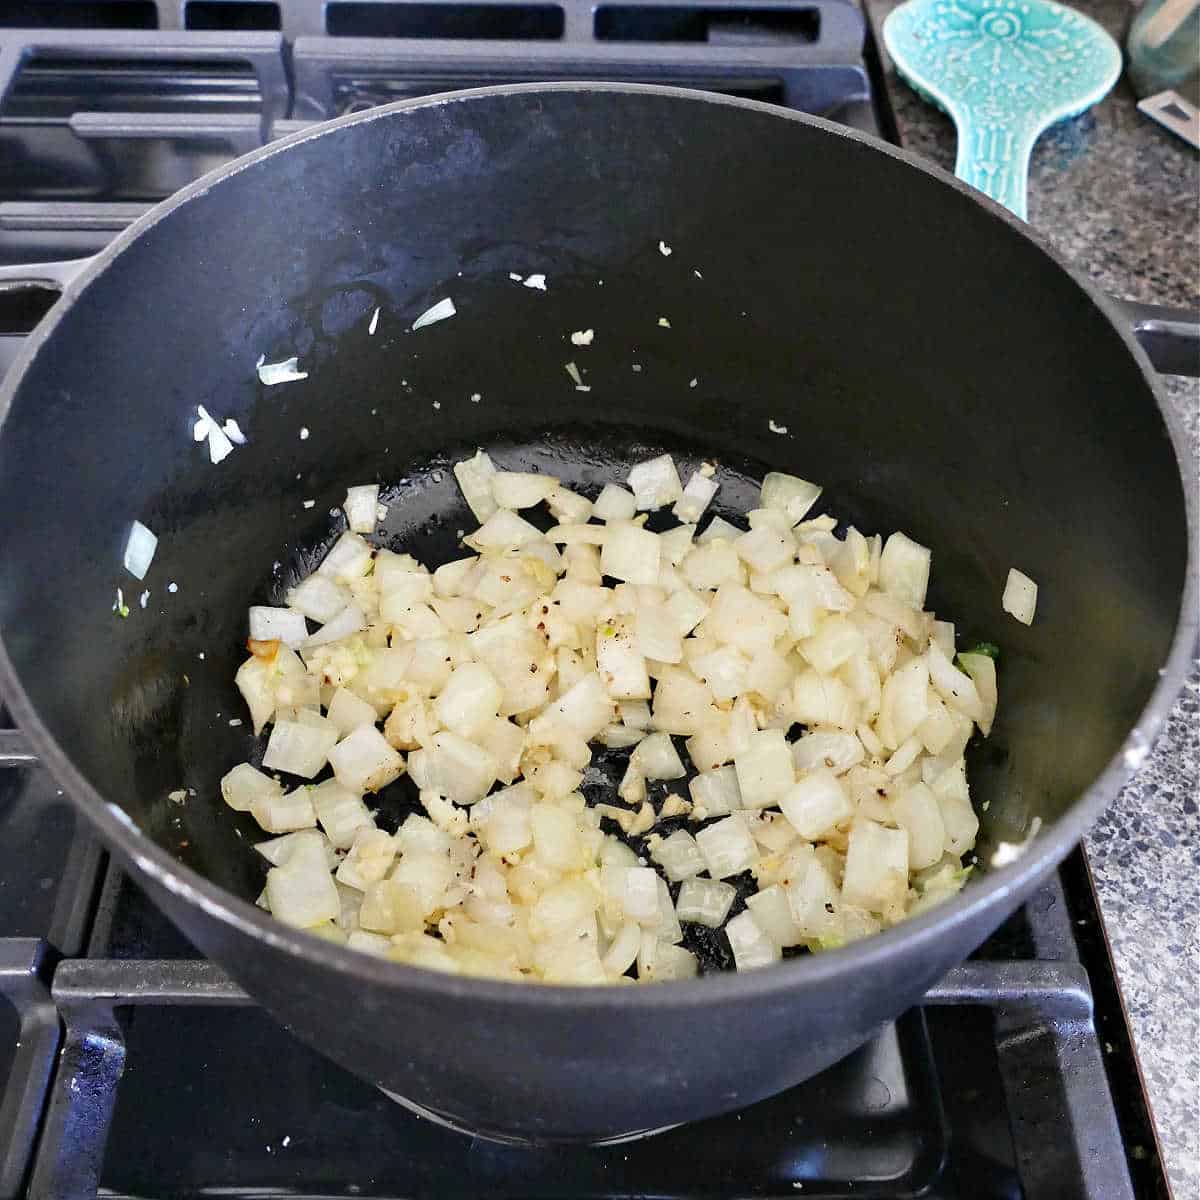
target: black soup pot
935 367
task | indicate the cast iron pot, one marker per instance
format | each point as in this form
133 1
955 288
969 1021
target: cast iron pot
935 367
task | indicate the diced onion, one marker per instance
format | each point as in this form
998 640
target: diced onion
348 559
340 812
349 620
139 550
765 770
244 784
655 483
837 751
364 761
789 494
679 856
695 498
876 866
817 804
299 749
631 554
361 507
705 902
657 758
614 504
284 814
318 597
750 945
773 915
904 570
727 847
490 680
437 312
515 489
277 624
716 792
302 895
1019 599
287 371
474 477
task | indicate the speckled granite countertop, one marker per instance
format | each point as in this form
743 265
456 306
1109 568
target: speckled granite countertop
1119 197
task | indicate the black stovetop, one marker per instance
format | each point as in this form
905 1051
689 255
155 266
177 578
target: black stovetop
132 1067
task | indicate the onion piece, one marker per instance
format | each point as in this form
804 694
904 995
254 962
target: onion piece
348 712
302 894
474 477
361 505
284 814
503 531
139 550
750 945
727 847
620 663
349 558
705 902
716 792
319 597
695 498
614 504
340 812
349 620
286 371
679 856
244 784
904 570
277 624
630 553
789 494
817 804
300 749
876 867
982 670
440 311
917 812
837 751
470 700
459 769
657 758
306 843
517 489
655 483
955 688
773 915
1020 596
765 771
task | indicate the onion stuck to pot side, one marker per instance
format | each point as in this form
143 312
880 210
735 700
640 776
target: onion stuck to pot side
489 679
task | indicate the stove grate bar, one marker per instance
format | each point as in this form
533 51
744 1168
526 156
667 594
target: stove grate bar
15 750
25 965
262 51
1039 1005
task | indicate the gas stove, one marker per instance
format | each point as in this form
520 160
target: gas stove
129 1065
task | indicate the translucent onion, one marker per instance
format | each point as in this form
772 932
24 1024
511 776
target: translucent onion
1020 596
494 676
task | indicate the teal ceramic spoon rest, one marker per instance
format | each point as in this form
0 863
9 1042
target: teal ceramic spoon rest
1005 70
